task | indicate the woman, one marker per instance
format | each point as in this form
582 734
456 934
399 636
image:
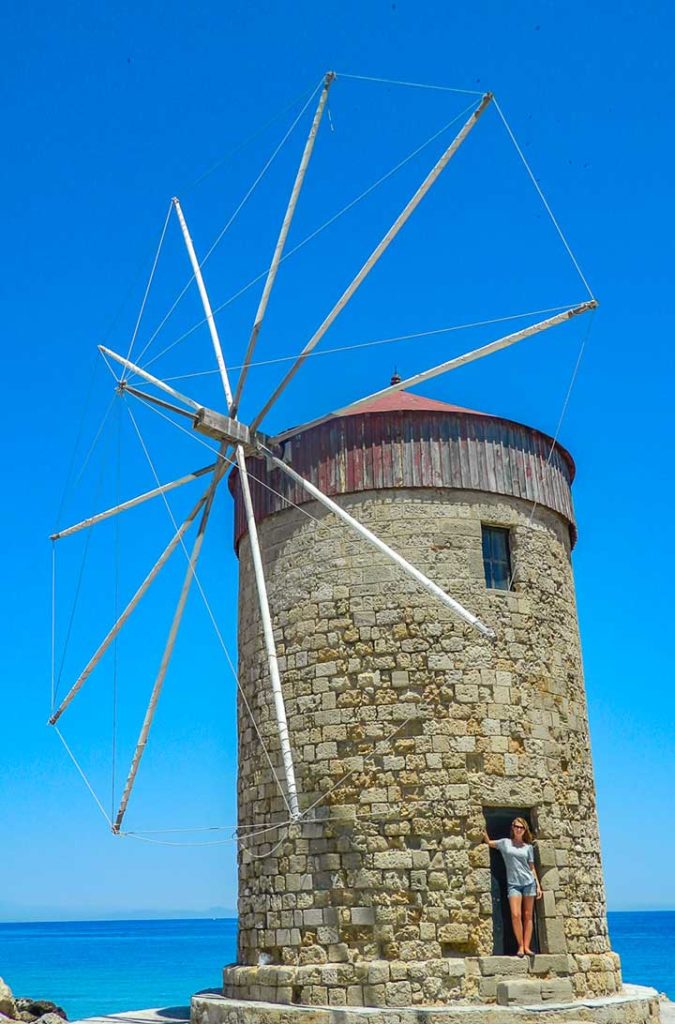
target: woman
521 879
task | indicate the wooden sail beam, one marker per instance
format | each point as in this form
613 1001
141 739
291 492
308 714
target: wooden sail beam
450 364
375 541
126 389
404 216
170 644
149 377
103 647
208 418
281 242
133 502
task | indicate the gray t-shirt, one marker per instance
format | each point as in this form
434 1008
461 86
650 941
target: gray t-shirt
517 860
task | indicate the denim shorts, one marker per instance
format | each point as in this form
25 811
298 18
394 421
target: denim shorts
523 890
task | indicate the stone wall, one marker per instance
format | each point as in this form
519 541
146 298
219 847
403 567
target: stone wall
381 895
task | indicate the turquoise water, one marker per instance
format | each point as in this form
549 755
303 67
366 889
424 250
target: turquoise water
98 967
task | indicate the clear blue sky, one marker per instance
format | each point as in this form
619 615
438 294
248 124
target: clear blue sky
108 111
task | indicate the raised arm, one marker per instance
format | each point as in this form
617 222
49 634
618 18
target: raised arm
491 842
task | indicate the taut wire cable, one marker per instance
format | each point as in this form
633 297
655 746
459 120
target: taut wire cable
113 753
543 199
53 631
411 85
149 284
563 413
381 341
247 142
317 231
231 220
82 774
80 576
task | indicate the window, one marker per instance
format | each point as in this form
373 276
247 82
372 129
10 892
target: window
496 557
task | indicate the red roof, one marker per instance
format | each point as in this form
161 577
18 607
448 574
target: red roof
403 401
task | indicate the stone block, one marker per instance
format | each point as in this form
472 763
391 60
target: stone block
517 992
378 972
454 934
553 935
354 995
363 915
557 990
487 988
399 993
503 966
547 963
545 854
374 995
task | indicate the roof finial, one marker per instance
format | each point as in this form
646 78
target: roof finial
395 377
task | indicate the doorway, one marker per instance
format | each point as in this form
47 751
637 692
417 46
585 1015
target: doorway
498 825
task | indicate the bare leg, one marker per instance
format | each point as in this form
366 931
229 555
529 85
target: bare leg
515 903
528 909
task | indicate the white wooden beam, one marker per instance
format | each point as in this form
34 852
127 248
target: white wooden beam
169 647
281 241
265 615
132 502
149 377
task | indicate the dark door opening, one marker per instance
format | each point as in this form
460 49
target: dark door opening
498 824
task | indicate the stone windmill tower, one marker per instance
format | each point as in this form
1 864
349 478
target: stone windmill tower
397 704
409 730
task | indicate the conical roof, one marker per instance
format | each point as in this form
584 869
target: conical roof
406 401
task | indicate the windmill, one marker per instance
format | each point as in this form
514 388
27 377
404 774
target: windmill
240 444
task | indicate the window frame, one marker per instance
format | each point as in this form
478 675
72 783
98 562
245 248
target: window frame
492 563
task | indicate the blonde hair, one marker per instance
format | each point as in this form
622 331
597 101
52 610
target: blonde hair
527 835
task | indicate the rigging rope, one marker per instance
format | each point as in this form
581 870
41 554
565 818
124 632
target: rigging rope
317 231
117 555
543 199
83 563
251 138
563 412
231 220
82 774
380 341
53 631
149 284
412 85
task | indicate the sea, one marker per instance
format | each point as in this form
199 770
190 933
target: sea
92 968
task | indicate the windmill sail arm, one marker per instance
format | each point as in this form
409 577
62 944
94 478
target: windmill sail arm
169 647
281 241
149 377
133 502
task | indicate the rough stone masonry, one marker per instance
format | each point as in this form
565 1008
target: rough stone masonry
405 725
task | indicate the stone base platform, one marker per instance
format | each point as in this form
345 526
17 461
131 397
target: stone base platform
545 977
635 1004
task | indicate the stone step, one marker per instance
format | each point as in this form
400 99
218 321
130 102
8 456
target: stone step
524 978
531 991
542 965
